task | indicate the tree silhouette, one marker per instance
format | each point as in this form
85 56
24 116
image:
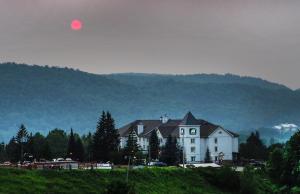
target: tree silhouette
154 145
22 138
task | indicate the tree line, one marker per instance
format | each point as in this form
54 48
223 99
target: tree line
101 146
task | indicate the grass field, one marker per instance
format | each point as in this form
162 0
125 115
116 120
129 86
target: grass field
154 181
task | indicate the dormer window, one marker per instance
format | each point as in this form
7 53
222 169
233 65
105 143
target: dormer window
193 131
182 131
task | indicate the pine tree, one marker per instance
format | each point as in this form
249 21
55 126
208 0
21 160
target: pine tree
71 146
154 145
207 158
99 139
112 135
132 147
2 152
79 150
22 138
106 138
170 152
88 145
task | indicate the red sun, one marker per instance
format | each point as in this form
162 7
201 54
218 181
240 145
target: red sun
76 25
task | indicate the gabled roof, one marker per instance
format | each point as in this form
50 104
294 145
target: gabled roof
171 127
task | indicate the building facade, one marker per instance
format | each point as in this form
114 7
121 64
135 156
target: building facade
194 136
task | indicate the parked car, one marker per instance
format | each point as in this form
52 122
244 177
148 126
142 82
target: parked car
158 164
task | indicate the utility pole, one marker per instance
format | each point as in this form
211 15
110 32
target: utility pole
149 154
128 169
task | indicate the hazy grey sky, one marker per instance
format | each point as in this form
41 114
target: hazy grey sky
246 37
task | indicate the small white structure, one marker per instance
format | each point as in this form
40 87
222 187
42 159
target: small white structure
195 136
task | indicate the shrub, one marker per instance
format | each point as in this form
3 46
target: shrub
224 178
120 187
248 182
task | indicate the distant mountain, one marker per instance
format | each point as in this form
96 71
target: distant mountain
140 79
47 97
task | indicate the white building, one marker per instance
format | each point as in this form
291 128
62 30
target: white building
195 136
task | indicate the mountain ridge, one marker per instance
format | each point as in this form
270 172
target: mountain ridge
44 98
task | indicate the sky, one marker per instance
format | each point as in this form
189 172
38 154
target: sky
258 38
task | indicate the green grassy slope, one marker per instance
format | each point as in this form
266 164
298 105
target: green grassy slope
154 181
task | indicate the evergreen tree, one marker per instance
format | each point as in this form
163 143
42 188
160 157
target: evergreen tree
58 142
2 152
291 171
132 148
207 158
87 141
170 152
79 149
22 138
154 145
106 138
254 148
46 151
13 150
71 146
36 145
112 134
99 139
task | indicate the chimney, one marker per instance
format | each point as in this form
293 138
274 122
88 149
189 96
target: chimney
140 128
164 119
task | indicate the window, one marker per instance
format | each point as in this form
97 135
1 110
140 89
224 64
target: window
220 132
144 147
193 158
193 149
192 140
216 148
216 158
193 131
182 131
216 140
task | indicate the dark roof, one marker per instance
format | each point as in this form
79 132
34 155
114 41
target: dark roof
189 119
149 125
171 127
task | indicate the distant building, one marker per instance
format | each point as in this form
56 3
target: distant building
193 135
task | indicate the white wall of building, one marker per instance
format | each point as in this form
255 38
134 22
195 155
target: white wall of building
191 142
221 141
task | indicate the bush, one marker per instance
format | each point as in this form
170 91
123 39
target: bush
120 187
224 178
248 183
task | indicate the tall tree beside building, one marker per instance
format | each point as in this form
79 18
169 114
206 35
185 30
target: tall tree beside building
170 152
254 148
154 145
112 136
22 138
99 139
207 158
71 146
105 139
132 147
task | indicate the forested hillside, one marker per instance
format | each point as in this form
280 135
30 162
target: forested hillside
44 98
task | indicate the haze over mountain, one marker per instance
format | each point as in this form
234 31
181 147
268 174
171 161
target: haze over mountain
44 98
